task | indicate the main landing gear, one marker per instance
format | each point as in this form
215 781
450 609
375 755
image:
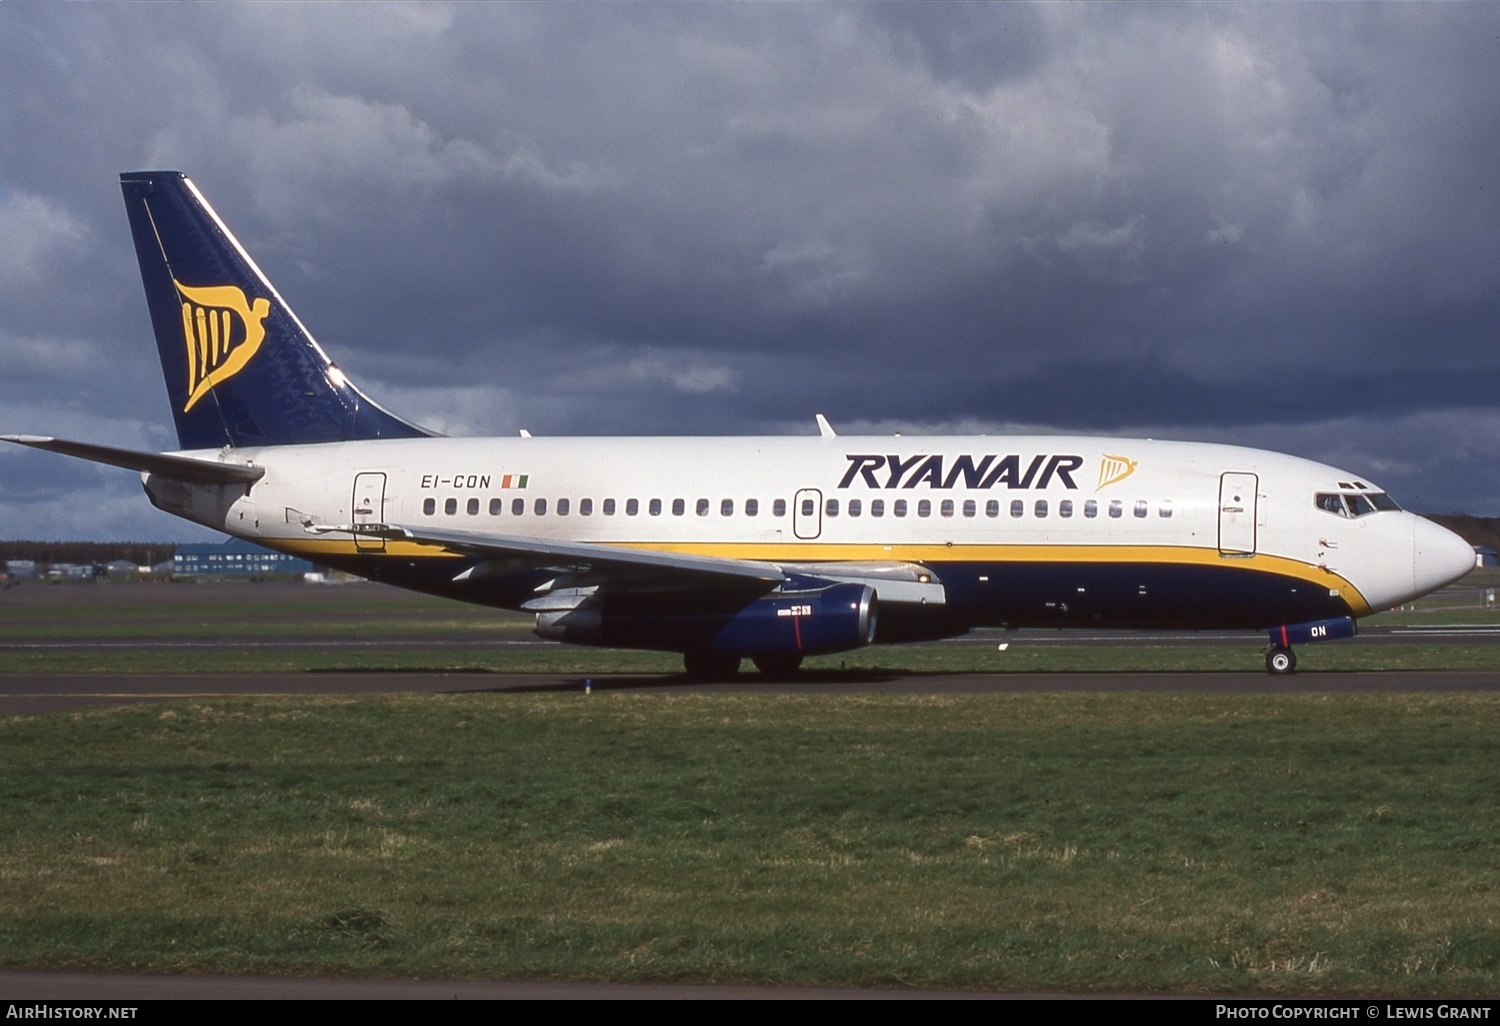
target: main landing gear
710 666
778 667
713 666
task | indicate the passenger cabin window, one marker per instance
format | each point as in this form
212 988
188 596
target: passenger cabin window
809 507
609 507
1116 508
778 508
450 507
562 507
1041 509
992 508
496 505
655 508
899 507
877 507
970 507
473 507
1165 512
726 508
924 508
701 508
832 507
1065 508
1017 508
517 507
429 506
1090 508
946 508
539 507
679 507
855 507
1140 507
752 507
585 507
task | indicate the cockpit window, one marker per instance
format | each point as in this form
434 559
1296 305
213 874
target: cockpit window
1329 503
1352 504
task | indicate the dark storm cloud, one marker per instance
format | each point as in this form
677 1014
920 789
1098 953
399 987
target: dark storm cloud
1273 224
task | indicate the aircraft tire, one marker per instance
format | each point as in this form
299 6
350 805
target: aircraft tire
710 666
778 667
1281 661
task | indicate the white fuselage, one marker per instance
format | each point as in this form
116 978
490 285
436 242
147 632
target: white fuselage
1018 529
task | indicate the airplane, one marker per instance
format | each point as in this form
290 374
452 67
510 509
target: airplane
721 549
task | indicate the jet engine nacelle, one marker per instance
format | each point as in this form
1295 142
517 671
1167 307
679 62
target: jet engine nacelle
834 619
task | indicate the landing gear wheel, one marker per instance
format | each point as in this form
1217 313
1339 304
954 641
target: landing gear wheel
1281 661
778 667
710 666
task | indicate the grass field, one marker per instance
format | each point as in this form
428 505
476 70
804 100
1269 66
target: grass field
1235 844
1307 844
158 628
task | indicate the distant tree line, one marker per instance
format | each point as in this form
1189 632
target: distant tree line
139 553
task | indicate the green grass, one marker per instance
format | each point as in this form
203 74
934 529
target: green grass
157 623
1265 844
242 612
1019 658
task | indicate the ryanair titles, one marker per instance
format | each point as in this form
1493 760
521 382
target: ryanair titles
931 471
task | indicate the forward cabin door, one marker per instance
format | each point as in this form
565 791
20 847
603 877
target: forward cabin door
1237 514
369 508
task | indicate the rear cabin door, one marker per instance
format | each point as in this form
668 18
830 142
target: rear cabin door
369 508
807 513
1237 514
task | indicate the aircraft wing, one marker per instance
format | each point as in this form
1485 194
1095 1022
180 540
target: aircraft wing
586 558
178 468
589 564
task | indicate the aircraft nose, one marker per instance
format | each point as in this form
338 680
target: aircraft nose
1439 557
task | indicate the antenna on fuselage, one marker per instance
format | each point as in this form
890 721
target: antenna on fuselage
824 428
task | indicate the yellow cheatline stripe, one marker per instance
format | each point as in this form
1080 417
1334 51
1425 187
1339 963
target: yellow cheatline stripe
815 552
345 547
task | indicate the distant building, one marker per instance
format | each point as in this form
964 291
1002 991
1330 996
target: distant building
234 557
1485 556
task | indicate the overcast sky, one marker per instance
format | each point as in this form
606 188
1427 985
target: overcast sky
1275 224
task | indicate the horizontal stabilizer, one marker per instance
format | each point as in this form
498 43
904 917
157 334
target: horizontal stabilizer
178 468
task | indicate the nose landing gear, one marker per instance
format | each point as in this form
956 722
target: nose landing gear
1280 661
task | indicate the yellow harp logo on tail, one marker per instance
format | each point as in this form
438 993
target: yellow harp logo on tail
222 329
1114 468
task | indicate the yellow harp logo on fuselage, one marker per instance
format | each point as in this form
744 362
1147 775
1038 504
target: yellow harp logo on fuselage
1115 468
222 329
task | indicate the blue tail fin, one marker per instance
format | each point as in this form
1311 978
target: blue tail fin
240 367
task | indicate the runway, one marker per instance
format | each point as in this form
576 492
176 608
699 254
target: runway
24 694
